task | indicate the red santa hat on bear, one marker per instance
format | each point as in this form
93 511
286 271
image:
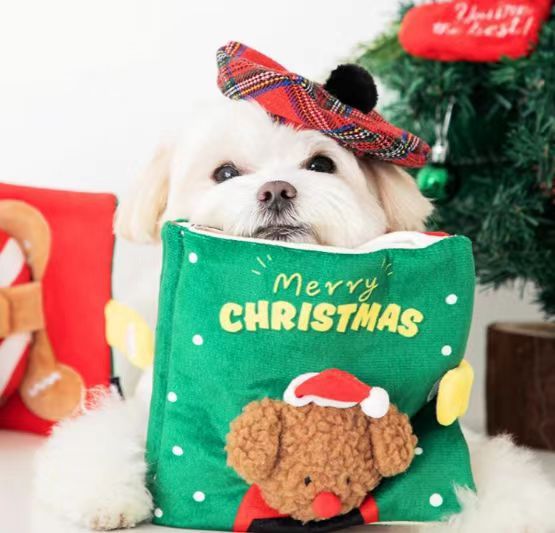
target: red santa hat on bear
336 388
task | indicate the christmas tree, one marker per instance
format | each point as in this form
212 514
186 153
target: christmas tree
497 184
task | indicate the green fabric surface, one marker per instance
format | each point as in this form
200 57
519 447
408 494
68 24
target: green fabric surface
211 373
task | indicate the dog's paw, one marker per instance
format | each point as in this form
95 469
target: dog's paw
92 469
116 514
514 494
107 522
118 506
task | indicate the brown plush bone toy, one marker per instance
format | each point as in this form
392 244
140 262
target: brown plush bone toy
49 389
318 454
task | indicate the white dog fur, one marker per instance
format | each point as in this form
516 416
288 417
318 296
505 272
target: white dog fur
92 469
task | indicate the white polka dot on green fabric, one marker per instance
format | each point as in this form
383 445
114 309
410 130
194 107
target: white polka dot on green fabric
172 397
193 257
197 340
451 299
446 350
436 500
177 450
158 513
199 496
418 451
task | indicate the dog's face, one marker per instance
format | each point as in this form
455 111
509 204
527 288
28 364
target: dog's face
238 171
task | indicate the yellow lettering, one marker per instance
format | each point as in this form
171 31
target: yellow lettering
322 317
304 316
322 320
287 282
345 311
332 287
283 314
256 316
370 285
366 316
352 285
312 288
390 318
409 319
228 311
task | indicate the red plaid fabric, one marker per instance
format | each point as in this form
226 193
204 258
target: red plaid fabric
245 74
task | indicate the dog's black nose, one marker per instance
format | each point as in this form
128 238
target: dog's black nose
276 194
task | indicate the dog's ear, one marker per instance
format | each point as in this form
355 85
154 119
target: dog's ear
138 215
393 442
253 442
406 208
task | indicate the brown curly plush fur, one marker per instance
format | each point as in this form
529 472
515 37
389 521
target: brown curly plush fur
295 453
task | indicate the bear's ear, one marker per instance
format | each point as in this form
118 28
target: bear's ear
253 442
393 442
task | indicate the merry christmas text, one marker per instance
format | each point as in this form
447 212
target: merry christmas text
283 315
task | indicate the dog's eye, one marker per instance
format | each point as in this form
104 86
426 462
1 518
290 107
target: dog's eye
320 163
348 481
225 172
307 481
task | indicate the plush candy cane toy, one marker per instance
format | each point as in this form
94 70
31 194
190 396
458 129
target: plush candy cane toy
49 389
14 347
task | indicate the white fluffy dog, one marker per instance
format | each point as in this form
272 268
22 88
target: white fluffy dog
238 171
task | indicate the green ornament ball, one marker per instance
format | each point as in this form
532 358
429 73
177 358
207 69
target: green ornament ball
433 181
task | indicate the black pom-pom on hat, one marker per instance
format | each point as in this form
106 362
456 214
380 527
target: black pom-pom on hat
354 86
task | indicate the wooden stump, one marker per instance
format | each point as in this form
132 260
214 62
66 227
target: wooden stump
520 389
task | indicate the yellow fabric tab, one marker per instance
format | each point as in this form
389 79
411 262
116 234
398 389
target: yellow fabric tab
454 393
128 332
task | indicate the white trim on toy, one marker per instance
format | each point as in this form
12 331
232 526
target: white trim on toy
375 405
409 240
291 398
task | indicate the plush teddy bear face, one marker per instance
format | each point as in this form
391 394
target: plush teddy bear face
314 462
323 452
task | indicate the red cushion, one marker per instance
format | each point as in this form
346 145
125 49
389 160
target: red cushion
478 30
76 287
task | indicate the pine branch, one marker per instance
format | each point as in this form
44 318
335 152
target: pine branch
502 150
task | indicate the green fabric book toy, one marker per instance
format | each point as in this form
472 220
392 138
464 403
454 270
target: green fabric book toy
308 388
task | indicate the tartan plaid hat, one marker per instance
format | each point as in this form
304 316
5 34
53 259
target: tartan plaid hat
340 109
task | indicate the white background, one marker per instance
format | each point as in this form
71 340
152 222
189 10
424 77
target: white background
88 88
